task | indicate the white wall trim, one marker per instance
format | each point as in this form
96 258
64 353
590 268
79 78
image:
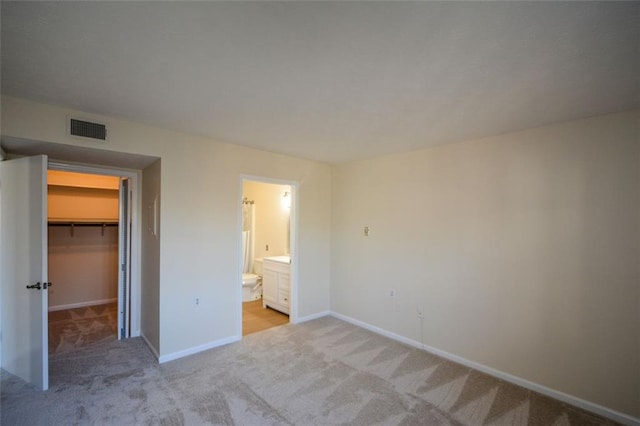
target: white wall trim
312 317
561 396
82 304
151 348
194 350
378 330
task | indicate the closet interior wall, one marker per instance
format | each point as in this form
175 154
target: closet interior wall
83 245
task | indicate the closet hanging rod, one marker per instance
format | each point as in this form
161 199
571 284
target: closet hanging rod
83 223
72 225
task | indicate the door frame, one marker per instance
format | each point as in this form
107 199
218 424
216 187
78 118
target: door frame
293 245
135 267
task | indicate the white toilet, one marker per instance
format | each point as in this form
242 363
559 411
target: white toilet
252 283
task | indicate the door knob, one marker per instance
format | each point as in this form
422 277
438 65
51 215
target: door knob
36 286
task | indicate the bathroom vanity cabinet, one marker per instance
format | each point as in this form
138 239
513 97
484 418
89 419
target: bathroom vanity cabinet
276 272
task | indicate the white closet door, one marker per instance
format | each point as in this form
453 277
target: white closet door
23 186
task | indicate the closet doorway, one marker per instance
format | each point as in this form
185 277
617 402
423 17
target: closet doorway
267 221
89 256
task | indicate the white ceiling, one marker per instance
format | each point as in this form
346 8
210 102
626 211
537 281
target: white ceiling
331 81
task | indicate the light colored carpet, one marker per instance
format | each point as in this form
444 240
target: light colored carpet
323 372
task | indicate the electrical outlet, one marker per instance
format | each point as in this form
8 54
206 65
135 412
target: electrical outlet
366 231
392 293
419 313
197 300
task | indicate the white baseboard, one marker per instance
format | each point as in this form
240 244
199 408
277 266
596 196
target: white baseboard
561 396
151 347
194 350
82 304
378 330
313 316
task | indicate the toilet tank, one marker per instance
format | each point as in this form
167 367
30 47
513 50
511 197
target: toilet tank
257 266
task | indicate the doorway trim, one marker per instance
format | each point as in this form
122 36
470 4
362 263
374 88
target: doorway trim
135 305
293 245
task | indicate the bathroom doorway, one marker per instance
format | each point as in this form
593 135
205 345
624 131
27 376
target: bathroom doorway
266 254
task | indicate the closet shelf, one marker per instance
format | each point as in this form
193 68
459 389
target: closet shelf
80 222
83 222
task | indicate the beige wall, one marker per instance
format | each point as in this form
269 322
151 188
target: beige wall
71 203
521 250
150 282
272 218
82 180
82 267
199 240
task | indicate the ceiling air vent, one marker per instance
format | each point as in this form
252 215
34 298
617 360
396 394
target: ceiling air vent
86 129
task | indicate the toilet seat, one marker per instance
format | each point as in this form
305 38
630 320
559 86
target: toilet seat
251 287
249 279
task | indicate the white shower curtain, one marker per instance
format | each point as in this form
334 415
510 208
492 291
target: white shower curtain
248 237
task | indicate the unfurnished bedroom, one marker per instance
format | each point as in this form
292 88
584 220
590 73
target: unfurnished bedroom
320 213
